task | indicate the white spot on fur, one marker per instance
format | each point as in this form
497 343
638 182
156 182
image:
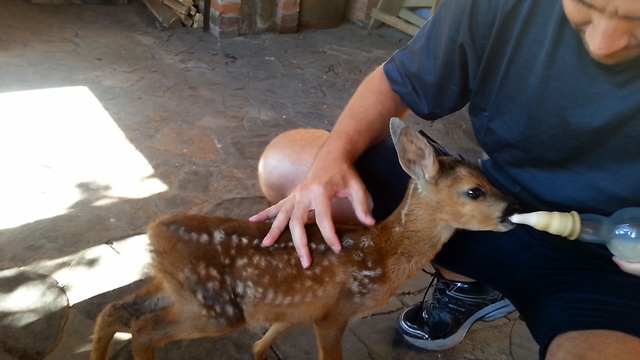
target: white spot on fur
366 241
202 269
278 299
218 236
213 285
270 295
200 296
372 273
240 287
358 255
204 238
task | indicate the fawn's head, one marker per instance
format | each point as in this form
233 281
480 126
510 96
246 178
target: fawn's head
463 197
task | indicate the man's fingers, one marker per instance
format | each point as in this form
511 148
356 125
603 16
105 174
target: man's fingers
362 205
279 224
301 246
627 266
268 213
299 236
326 226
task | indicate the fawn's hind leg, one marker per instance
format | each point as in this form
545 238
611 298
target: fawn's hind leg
118 316
176 322
261 346
329 333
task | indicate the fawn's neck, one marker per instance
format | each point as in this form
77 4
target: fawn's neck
414 233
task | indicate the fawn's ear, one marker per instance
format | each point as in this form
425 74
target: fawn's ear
414 152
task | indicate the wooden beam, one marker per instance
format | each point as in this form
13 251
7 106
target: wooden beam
395 21
163 13
386 7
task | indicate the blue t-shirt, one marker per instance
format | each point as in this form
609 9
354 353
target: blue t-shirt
561 130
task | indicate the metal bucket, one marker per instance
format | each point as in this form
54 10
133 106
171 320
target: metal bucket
321 14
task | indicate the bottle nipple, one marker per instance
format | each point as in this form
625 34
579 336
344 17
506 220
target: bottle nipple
558 223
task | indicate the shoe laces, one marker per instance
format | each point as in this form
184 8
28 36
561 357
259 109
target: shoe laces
435 274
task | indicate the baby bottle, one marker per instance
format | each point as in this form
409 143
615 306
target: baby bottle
619 232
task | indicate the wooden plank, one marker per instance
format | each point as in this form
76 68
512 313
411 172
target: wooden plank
184 18
386 7
177 6
395 21
198 20
399 14
419 3
163 13
411 17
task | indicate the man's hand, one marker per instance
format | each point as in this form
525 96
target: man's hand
628 266
326 181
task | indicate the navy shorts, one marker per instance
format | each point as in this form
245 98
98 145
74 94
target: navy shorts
556 284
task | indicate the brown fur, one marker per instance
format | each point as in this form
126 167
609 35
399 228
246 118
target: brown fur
212 275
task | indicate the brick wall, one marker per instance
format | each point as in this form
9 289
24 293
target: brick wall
287 16
359 11
225 15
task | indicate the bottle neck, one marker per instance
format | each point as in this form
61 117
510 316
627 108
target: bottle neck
593 228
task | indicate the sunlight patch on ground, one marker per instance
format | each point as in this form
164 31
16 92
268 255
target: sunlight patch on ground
98 269
60 146
27 295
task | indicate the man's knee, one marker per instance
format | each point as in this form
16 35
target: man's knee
286 160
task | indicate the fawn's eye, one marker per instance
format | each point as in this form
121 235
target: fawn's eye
475 193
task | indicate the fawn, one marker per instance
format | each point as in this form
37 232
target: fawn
212 275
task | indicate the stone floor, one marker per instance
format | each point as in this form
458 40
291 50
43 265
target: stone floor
108 121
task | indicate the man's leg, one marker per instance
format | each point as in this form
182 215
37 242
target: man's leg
286 161
594 345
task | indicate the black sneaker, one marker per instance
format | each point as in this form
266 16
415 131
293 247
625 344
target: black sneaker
443 322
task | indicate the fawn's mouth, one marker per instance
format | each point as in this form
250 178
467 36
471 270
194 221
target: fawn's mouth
505 224
508 211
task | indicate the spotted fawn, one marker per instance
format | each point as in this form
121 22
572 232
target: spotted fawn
212 275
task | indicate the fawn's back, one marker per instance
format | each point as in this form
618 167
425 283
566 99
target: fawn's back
212 275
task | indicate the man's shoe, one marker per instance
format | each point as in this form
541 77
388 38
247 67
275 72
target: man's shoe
443 322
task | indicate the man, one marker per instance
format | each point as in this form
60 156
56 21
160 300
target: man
553 88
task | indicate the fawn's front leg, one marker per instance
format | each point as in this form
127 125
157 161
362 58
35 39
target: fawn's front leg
329 333
261 346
